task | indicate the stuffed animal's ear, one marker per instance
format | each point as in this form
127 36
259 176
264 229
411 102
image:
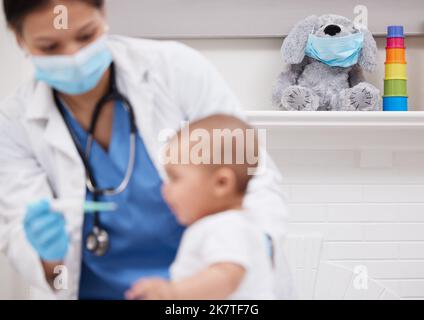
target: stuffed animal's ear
368 57
293 49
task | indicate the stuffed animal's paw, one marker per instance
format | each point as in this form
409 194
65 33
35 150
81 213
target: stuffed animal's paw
299 99
362 97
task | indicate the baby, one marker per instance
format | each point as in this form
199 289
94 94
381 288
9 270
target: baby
222 255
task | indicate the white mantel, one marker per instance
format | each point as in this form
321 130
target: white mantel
341 130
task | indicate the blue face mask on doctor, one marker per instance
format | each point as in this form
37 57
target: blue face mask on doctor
75 74
336 51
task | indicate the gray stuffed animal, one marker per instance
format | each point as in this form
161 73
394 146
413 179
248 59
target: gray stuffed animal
313 85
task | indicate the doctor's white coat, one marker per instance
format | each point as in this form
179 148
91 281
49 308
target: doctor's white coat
167 84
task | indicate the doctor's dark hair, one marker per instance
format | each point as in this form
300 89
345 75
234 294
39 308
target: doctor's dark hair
17 10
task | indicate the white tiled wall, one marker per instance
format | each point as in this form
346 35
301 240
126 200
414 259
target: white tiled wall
370 217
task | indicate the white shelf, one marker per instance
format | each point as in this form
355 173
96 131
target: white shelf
375 131
337 119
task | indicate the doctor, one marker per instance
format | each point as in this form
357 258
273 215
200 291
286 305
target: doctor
88 126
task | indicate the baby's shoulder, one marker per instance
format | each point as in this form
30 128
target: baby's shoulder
236 219
229 226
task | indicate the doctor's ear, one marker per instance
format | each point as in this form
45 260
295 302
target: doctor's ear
20 41
293 49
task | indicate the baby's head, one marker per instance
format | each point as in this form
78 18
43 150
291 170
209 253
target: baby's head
209 164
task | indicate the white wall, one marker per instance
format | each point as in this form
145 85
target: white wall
13 67
369 216
252 65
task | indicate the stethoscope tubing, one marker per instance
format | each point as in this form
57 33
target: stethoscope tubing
91 184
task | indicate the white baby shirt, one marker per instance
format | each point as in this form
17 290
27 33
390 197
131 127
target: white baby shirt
227 237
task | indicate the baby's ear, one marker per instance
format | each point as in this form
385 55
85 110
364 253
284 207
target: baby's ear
368 57
293 49
225 181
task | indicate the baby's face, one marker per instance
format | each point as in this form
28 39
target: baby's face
188 192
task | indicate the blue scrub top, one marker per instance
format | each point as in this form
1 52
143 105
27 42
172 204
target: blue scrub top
144 234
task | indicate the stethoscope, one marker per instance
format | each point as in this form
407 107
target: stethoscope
98 241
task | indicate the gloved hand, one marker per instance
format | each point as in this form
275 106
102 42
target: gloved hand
45 230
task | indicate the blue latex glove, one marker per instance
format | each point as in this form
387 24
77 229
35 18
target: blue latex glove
45 230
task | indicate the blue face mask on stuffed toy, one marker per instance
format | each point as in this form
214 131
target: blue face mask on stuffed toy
75 74
336 51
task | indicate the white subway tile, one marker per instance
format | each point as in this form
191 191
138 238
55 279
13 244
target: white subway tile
413 288
348 250
394 193
411 250
333 175
391 269
330 231
360 250
358 213
326 193
376 212
392 285
308 213
393 231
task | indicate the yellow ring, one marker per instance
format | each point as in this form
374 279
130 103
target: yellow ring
396 71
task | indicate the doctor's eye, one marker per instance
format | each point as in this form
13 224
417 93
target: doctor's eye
50 48
86 37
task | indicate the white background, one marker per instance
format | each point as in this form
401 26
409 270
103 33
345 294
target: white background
372 216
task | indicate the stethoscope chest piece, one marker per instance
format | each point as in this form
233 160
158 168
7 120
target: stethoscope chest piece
98 241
